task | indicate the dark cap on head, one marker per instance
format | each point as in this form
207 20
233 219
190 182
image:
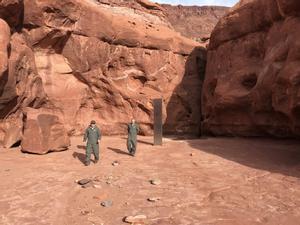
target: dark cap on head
93 122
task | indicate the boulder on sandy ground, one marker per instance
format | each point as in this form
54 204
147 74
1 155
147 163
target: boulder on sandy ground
43 132
11 131
253 71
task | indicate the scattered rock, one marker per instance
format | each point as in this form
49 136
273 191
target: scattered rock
192 154
195 164
153 199
85 212
135 219
84 181
155 182
115 163
97 186
107 203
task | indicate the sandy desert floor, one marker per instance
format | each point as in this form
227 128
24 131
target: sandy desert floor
212 181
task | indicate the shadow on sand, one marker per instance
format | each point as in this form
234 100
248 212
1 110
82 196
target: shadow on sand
79 156
141 141
273 155
119 151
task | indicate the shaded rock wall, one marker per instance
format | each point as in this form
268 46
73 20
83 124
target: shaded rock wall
253 71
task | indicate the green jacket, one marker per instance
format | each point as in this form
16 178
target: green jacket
92 135
133 130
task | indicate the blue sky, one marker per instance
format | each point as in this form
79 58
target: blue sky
198 2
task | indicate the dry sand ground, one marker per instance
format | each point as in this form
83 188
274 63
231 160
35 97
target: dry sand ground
225 181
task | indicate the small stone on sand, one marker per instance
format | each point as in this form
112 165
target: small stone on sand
153 199
115 163
155 182
135 219
84 181
107 203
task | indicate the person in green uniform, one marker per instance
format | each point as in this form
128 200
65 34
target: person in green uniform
92 135
133 130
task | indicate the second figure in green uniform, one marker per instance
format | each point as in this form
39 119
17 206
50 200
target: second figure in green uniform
133 130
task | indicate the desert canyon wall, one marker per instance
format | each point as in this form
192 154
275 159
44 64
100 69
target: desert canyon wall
65 62
252 85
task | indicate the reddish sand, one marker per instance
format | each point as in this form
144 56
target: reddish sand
214 181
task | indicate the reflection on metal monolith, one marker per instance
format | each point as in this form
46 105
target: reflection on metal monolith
157 121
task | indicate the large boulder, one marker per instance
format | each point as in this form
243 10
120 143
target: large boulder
43 132
253 71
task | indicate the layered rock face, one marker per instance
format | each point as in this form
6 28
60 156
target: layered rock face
193 21
253 72
79 60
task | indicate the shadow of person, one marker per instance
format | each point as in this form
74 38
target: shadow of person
140 141
119 151
80 156
144 142
81 147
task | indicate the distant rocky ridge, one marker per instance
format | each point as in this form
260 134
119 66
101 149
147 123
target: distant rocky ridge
195 22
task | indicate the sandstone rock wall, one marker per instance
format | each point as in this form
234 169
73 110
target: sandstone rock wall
88 59
253 71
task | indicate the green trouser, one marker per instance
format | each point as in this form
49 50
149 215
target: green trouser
92 147
131 145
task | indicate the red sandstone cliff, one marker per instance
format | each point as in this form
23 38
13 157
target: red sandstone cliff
253 71
65 62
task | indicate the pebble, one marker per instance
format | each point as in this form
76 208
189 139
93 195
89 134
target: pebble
107 203
83 181
153 199
135 219
155 182
85 212
115 163
97 186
